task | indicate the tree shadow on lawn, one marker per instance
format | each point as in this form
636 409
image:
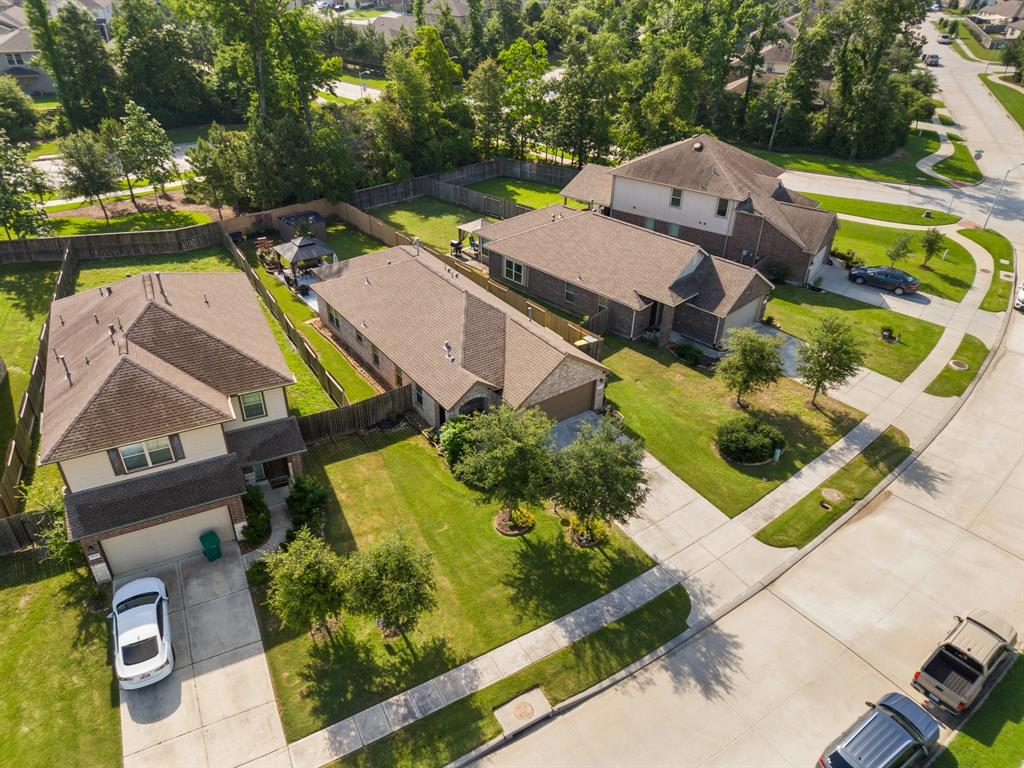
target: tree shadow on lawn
28 287
90 603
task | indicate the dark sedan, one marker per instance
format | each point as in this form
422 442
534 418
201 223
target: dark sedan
895 280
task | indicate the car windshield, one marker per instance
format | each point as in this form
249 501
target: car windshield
136 653
147 598
838 761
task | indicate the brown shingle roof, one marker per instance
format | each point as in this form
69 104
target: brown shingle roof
617 260
593 184
174 358
265 442
724 285
412 307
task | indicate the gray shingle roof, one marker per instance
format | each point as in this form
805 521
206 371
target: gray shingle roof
265 442
593 184
153 495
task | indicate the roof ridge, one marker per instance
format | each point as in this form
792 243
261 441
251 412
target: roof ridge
543 224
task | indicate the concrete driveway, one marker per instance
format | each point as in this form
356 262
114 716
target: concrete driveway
217 709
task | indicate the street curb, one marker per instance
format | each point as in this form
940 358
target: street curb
754 589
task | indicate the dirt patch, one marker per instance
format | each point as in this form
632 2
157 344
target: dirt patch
173 201
832 494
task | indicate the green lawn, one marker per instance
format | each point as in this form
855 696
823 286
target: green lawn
946 120
305 396
798 310
433 221
979 51
801 523
44 103
40 148
994 736
459 728
491 588
953 383
939 103
334 98
373 79
898 214
1011 99
25 291
64 226
948 278
365 13
58 700
677 409
347 241
899 169
960 165
189 134
529 193
997 298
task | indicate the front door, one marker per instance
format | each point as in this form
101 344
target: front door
276 472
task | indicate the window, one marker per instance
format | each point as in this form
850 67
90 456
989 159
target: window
673 229
332 317
376 355
359 337
419 395
602 303
149 453
677 198
513 271
649 223
253 406
15 58
398 376
723 208
570 293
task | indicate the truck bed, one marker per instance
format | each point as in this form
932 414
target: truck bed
951 673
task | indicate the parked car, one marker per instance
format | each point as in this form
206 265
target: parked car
1018 303
895 280
945 39
142 633
958 669
936 7
894 733
932 60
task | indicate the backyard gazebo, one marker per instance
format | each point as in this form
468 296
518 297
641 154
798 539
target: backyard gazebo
302 253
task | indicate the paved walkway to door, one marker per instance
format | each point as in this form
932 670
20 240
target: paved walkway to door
217 708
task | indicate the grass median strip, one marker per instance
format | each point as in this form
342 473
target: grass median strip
459 728
960 165
997 298
805 520
952 383
895 213
994 736
1011 99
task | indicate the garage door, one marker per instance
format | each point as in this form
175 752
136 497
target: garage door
165 541
561 407
745 315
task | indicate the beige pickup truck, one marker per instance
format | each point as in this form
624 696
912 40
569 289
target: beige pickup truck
958 669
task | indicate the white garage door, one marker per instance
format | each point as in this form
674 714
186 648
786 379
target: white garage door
163 542
745 315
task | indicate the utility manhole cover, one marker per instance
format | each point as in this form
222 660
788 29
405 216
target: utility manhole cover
523 710
958 365
831 494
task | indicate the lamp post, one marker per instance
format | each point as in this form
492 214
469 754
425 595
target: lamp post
362 80
999 192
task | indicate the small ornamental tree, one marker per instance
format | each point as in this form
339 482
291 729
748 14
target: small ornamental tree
831 355
306 583
931 243
899 249
306 503
21 213
393 582
600 478
510 460
140 147
47 499
753 362
257 516
87 167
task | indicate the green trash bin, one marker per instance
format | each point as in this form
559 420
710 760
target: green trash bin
211 545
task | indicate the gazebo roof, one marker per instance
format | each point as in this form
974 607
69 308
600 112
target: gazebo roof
474 226
303 249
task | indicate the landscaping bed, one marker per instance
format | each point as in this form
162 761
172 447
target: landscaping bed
490 588
433 221
805 520
529 193
997 298
898 214
953 383
798 310
948 278
677 410
58 699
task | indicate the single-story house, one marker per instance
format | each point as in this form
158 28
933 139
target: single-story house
414 321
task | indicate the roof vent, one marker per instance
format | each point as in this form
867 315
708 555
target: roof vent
160 283
61 318
206 300
111 330
698 146
67 371
366 279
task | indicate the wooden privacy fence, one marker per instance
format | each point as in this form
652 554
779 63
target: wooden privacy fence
112 245
357 417
17 532
334 390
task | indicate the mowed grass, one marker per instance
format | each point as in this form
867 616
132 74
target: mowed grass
464 725
964 36
25 291
898 168
953 383
347 241
948 278
372 79
490 588
58 699
960 165
997 298
994 736
1011 99
41 148
529 193
798 310
65 226
677 410
897 214
805 520
305 396
435 222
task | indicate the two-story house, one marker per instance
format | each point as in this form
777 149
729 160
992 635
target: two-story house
729 202
18 55
164 394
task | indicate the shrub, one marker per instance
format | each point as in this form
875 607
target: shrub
853 260
588 531
768 319
521 517
307 502
258 574
748 440
689 354
456 436
780 272
257 514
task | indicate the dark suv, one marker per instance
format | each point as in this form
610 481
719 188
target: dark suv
894 733
896 280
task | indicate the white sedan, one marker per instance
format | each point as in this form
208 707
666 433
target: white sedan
142 634
1018 301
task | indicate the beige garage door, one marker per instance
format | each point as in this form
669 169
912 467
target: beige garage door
569 403
743 316
163 542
